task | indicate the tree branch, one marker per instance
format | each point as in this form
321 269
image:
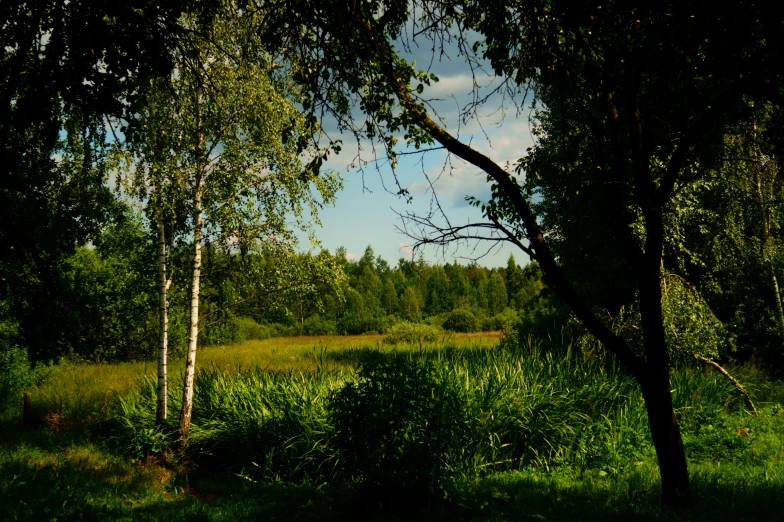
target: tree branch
732 379
682 150
510 189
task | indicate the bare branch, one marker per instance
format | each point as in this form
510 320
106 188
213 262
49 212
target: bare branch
729 377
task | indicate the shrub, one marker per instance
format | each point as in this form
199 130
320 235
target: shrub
249 330
437 320
461 320
15 374
223 332
358 323
405 332
506 321
395 430
317 325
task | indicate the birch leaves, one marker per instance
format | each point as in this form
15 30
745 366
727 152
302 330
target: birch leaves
226 154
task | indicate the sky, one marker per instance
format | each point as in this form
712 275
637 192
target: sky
366 212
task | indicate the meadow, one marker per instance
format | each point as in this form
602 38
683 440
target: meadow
465 427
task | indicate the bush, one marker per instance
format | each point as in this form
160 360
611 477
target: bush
317 325
395 430
405 332
358 323
15 374
437 320
249 330
461 320
223 332
506 321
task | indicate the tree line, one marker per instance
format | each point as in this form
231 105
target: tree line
113 309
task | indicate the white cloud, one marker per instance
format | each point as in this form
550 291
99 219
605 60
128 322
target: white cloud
408 249
447 86
350 256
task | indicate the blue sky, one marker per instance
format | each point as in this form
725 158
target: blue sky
365 211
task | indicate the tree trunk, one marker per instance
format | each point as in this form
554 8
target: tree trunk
666 438
655 384
193 332
765 213
161 412
777 296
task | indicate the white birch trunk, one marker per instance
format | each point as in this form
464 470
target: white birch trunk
777 296
161 412
766 218
193 330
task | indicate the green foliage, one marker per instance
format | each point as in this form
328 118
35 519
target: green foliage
447 413
113 297
357 323
461 320
250 330
317 325
496 294
405 332
515 412
507 321
691 327
56 155
280 421
395 429
16 375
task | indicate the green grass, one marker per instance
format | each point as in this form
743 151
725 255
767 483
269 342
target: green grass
540 438
74 394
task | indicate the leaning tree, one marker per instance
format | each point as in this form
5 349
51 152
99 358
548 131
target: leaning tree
641 93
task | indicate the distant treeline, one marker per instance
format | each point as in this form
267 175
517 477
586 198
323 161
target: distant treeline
103 304
372 296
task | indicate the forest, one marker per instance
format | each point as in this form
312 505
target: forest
177 344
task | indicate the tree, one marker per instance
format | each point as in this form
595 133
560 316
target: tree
496 294
514 281
240 144
437 297
64 66
726 237
389 296
411 304
648 90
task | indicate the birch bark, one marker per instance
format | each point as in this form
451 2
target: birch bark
161 411
193 330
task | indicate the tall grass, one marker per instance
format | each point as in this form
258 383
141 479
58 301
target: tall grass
75 394
507 410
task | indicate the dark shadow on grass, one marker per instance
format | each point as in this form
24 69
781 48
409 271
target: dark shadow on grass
516 497
48 478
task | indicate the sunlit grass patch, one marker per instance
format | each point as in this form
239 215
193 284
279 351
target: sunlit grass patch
43 482
73 394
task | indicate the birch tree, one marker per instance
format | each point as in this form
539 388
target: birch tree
247 165
156 177
236 152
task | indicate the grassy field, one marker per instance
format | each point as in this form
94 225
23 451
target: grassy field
286 429
74 393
